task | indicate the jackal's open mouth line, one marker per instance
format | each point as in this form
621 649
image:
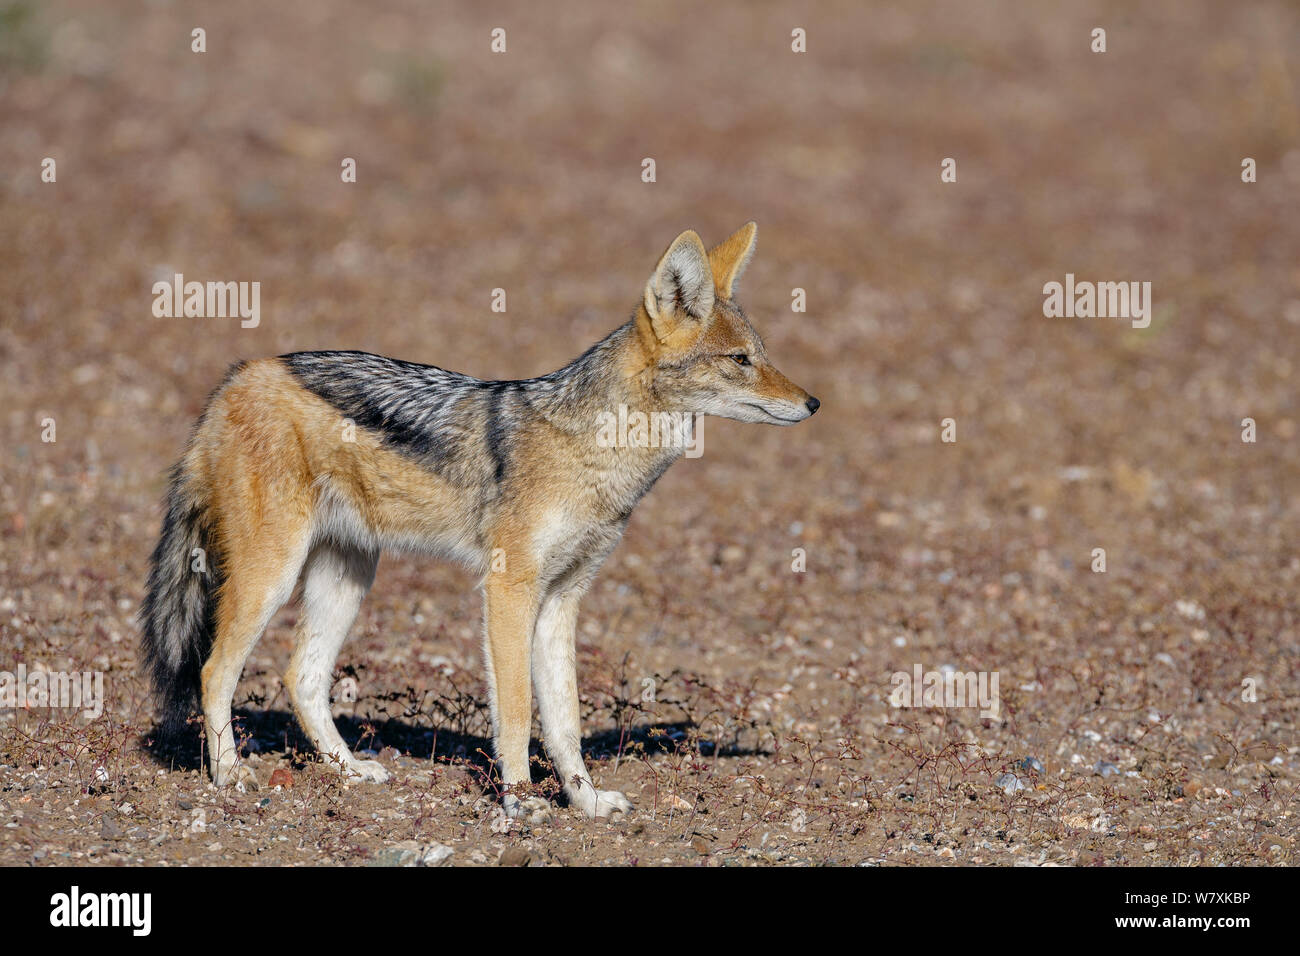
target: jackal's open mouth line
770 414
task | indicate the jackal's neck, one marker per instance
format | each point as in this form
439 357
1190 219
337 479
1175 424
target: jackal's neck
608 375
604 402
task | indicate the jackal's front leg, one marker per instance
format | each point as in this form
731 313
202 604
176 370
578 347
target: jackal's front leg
555 675
510 611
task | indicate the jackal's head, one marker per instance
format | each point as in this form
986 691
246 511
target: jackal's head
705 357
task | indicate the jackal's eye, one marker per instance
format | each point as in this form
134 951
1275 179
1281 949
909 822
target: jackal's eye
740 358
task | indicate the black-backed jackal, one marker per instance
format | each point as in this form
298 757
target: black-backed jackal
507 477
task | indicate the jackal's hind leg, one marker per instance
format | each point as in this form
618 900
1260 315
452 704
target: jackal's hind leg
335 579
257 585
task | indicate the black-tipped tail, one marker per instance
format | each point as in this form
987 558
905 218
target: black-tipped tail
178 617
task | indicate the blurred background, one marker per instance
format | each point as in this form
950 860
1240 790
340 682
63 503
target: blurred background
522 171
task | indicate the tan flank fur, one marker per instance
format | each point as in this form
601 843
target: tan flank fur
303 468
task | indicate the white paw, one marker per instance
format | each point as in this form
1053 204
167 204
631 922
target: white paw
231 773
532 810
601 803
369 771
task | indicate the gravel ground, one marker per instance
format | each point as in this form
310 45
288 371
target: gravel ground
1148 712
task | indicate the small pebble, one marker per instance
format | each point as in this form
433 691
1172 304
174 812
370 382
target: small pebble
109 830
282 777
437 854
406 853
514 856
1010 783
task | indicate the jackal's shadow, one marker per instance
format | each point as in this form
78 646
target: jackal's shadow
276 732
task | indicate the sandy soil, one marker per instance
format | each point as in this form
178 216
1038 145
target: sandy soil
1128 732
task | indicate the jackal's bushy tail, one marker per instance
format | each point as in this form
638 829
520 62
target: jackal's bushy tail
178 617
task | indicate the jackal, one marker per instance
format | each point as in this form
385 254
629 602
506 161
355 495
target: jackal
305 467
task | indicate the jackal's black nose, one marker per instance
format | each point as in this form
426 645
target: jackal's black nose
813 405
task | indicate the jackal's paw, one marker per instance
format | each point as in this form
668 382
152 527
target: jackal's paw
365 771
602 803
532 810
233 774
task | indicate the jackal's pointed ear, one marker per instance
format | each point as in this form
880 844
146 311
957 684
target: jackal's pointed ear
728 258
682 283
